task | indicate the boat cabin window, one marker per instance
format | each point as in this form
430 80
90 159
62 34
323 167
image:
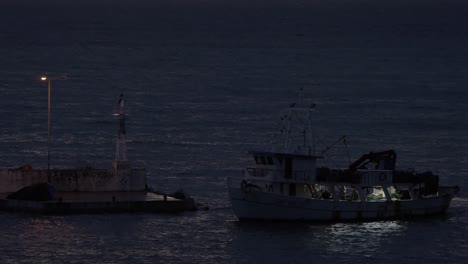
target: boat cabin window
288 170
270 160
263 160
257 160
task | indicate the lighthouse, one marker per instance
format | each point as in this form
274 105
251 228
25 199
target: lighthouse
120 163
121 148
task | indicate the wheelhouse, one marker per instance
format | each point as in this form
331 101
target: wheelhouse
283 166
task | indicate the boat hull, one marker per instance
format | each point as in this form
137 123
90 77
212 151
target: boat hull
258 205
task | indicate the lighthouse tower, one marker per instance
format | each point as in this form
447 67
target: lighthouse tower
121 162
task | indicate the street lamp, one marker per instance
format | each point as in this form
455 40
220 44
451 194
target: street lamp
45 78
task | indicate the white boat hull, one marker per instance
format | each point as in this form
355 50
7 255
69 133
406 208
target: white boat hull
260 205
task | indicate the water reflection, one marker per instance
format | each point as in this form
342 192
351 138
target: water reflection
366 239
265 242
71 237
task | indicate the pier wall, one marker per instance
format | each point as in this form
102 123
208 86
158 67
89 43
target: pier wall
75 180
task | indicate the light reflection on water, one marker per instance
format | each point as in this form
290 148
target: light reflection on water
363 238
268 242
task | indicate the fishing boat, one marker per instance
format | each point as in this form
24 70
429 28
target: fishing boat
287 183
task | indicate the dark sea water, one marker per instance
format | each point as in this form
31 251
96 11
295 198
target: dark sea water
204 82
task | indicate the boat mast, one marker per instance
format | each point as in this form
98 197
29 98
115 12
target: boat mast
296 128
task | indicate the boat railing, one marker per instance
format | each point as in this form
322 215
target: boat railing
257 172
375 177
297 175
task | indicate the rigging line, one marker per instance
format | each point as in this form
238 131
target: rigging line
319 141
347 150
334 143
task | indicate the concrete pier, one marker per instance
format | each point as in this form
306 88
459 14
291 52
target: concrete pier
75 180
99 202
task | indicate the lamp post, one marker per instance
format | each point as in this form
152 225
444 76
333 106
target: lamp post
46 78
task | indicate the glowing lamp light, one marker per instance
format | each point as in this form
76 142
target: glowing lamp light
45 78
49 78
